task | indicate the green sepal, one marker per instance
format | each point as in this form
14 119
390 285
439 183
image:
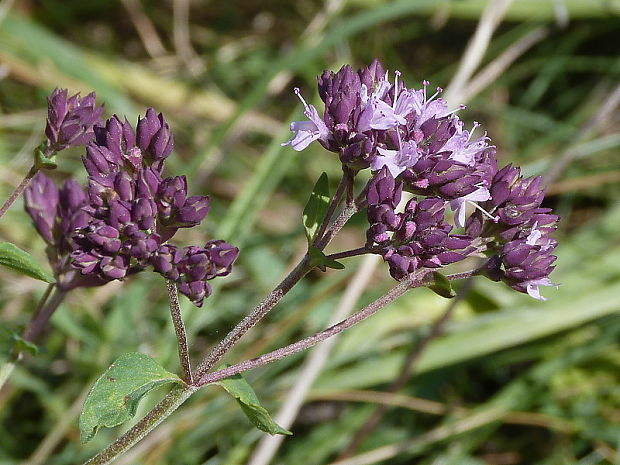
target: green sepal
41 162
441 286
320 260
258 415
316 207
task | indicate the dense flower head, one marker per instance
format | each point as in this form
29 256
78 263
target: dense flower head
56 213
526 262
193 266
70 120
418 237
411 141
122 223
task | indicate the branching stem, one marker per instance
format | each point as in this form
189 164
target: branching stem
18 190
311 341
348 253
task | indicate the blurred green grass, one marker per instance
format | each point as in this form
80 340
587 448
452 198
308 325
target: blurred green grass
501 353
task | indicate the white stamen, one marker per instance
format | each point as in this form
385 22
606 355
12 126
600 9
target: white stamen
471 133
491 217
396 75
298 93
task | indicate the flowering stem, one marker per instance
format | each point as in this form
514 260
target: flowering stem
340 221
348 253
42 316
18 191
466 274
180 394
310 341
345 181
302 268
179 329
416 351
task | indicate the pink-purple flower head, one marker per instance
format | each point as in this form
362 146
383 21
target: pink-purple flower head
412 141
418 237
70 120
56 214
121 225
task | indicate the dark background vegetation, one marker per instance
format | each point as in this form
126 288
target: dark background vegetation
513 381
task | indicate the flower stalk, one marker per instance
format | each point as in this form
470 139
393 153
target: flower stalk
179 329
18 190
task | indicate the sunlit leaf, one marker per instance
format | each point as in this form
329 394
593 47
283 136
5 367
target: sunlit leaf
114 397
18 260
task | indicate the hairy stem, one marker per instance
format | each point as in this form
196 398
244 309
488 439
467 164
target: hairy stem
180 394
345 181
160 412
302 268
466 274
179 329
254 317
348 253
416 351
42 315
310 341
18 191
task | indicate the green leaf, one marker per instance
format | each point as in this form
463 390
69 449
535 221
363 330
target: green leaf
441 286
239 388
319 259
11 341
316 208
114 397
18 260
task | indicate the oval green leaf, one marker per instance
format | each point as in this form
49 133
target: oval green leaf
114 397
21 261
258 415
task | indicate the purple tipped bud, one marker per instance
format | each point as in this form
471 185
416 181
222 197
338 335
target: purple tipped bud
166 261
383 189
70 121
222 255
103 237
41 201
171 196
154 136
193 212
196 291
143 213
114 267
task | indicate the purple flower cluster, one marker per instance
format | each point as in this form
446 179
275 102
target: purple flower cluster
134 211
57 213
413 142
418 237
122 223
70 120
521 231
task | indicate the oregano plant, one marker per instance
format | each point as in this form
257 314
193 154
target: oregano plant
435 196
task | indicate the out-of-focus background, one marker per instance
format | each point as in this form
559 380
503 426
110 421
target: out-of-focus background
509 381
